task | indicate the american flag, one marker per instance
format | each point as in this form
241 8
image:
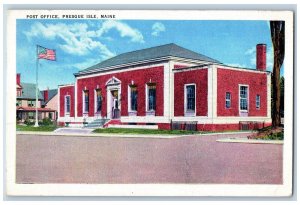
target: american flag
45 53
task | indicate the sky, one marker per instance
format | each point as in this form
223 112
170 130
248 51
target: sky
80 44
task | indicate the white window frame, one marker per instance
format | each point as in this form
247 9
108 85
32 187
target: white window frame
150 112
228 100
67 113
186 112
257 107
248 91
83 102
95 101
130 111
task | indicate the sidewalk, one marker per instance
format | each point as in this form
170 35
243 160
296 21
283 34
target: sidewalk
250 141
88 133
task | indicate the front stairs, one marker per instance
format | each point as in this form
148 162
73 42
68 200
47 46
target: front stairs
97 123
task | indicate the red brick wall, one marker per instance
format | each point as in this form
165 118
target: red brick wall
69 90
140 78
199 77
229 80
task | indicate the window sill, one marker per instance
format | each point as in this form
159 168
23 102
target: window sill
244 113
190 114
132 113
150 113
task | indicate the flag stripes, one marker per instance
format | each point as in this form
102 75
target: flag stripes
45 53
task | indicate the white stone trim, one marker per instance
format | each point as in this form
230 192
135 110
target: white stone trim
109 88
65 105
259 101
58 103
241 69
166 89
150 112
210 92
150 127
189 114
269 106
136 64
129 99
85 114
75 98
120 71
248 100
161 119
130 111
222 120
96 114
145 119
66 85
199 119
214 91
114 81
199 67
171 90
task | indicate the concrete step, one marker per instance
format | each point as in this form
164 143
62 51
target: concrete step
97 123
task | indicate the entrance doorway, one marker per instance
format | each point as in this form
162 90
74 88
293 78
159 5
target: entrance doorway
115 111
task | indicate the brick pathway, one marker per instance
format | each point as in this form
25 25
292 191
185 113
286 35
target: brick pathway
66 159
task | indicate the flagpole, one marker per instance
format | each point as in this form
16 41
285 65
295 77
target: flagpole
36 89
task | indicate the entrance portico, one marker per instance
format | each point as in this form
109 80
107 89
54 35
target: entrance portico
113 88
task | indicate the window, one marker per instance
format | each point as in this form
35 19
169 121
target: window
67 104
19 93
30 115
190 98
257 101
50 115
86 101
98 100
19 103
31 103
228 100
151 97
243 98
133 98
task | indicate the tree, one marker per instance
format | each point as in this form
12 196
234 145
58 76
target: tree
282 96
277 29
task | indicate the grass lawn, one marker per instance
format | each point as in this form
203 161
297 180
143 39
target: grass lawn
143 131
41 128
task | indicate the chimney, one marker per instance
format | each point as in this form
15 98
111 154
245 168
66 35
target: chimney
261 50
19 78
46 94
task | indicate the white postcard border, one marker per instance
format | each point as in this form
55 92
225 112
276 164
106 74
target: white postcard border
150 189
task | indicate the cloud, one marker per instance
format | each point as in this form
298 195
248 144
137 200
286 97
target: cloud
79 39
157 28
250 51
76 38
123 29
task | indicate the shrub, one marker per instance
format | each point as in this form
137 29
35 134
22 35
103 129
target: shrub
47 121
28 122
274 136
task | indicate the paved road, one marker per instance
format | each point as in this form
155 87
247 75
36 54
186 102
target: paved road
73 131
66 159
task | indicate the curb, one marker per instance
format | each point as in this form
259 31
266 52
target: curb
99 135
55 133
219 133
250 141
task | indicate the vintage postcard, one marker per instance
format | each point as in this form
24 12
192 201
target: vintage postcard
149 103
